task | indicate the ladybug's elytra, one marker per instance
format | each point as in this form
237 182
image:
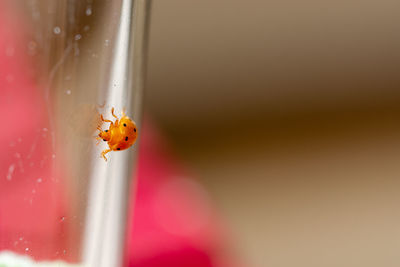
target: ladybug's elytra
121 134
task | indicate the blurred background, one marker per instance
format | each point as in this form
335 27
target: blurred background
288 112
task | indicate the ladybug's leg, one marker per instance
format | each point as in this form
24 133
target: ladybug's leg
115 116
103 154
112 112
101 117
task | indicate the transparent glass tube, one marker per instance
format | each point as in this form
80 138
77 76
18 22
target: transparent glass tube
105 226
62 64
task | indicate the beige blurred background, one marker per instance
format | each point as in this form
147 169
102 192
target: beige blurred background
288 112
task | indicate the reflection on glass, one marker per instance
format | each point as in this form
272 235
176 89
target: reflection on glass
62 63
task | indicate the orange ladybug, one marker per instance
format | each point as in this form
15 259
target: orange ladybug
121 134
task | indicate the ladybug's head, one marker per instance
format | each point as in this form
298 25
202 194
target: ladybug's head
105 135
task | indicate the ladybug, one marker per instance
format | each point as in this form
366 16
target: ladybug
121 134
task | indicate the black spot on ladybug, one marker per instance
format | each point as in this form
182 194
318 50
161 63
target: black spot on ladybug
106 130
104 140
124 124
126 138
134 129
118 148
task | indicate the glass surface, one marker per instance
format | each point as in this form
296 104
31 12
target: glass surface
62 64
